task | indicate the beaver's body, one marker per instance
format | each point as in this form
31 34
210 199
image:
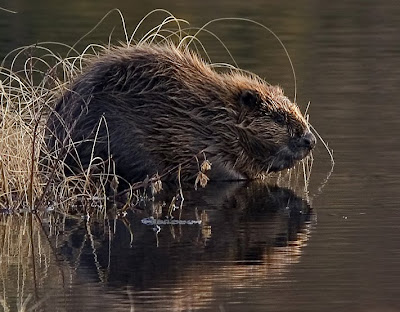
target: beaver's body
162 105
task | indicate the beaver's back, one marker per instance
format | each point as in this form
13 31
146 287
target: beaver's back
131 101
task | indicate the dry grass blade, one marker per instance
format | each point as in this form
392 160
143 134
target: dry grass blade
8 10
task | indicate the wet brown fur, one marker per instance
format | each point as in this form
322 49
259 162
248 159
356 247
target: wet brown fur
163 105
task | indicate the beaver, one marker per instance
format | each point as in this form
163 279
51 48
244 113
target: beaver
152 107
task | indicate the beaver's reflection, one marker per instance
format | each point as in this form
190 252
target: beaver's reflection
242 224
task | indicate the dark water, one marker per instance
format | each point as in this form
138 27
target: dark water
258 248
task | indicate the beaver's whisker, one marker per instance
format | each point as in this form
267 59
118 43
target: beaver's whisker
330 152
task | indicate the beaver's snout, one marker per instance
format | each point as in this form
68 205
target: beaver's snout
297 149
307 141
302 145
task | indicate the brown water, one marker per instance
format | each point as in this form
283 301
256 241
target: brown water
258 248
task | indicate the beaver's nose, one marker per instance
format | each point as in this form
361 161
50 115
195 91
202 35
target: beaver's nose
308 140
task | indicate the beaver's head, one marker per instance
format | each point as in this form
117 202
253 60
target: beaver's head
272 133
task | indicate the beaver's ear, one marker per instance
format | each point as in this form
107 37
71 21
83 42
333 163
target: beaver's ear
250 99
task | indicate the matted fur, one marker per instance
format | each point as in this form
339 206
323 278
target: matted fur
162 105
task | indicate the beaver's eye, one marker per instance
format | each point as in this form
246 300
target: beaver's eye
250 98
278 118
